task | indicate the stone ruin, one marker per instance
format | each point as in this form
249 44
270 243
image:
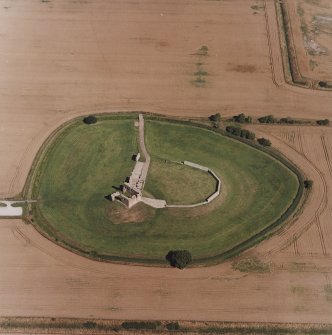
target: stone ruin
132 188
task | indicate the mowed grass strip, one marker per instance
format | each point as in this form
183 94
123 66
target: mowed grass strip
259 188
178 184
83 164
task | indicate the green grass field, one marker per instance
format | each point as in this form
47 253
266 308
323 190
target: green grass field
83 163
178 184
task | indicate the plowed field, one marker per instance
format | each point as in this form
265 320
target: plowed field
63 58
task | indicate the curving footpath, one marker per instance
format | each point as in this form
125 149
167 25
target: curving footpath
140 172
145 153
160 203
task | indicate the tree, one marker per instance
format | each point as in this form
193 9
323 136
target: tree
308 183
234 130
264 141
288 120
203 50
215 117
244 133
90 119
248 119
173 326
89 324
242 118
251 135
324 122
267 119
179 258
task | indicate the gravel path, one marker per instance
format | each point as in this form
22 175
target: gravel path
145 168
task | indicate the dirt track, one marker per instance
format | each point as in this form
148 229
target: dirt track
65 58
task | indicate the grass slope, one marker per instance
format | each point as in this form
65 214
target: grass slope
84 162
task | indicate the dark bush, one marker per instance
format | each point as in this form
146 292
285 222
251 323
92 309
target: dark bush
324 122
264 141
251 135
267 119
308 183
242 118
244 133
173 326
89 324
90 119
287 120
248 119
234 130
247 134
215 117
322 84
179 258
141 325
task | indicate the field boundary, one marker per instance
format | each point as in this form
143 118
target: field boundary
40 325
291 68
47 231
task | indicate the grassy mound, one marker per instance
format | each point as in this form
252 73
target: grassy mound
82 164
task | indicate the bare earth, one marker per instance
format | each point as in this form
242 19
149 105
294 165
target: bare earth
313 41
63 58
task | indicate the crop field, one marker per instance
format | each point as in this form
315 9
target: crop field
314 145
62 59
84 163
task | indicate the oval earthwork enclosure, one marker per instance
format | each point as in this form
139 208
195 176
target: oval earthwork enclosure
80 164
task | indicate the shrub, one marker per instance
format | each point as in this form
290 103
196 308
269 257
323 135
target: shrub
244 133
324 122
242 118
203 50
173 326
322 84
248 119
247 134
267 119
251 135
308 184
89 324
215 117
264 141
179 258
234 130
287 120
141 325
90 119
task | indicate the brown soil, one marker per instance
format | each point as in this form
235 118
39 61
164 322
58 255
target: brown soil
243 68
61 59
